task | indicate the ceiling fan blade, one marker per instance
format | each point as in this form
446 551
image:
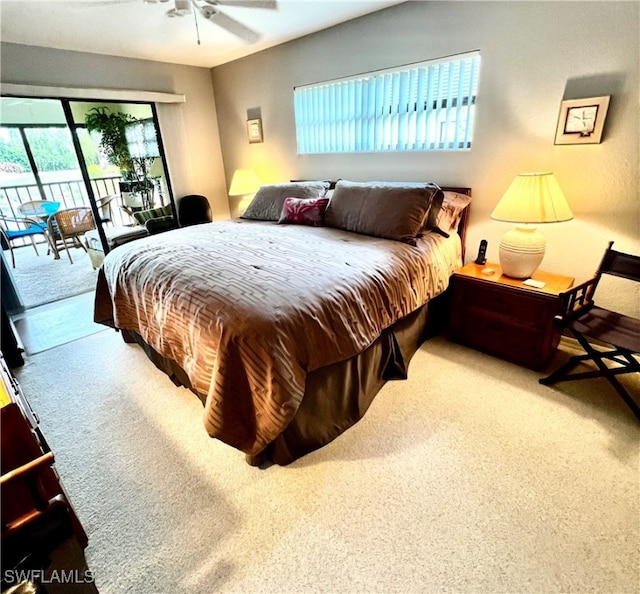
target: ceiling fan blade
233 26
267 4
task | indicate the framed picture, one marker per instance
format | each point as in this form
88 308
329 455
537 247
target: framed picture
254 130
581 121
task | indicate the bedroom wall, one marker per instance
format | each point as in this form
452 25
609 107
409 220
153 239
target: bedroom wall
534 54
189 130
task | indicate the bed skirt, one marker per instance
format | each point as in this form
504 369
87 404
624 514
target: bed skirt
336 396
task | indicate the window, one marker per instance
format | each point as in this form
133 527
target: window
421 107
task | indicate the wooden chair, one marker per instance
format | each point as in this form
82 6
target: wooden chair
589 324
67 226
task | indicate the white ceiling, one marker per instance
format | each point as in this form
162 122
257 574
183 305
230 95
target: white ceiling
142 29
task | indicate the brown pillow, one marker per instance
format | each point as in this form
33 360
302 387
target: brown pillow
267 203
393 210
453 205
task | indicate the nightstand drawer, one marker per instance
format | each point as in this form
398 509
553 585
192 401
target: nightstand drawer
495 334
521 306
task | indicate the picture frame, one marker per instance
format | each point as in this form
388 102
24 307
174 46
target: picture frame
254 130
581 121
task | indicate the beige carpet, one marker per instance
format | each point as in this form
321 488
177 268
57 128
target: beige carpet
41 279
468 477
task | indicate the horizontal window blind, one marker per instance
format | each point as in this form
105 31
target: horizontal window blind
426 106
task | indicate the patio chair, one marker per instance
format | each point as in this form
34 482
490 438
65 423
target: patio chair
604 335
67 226
104 206
156 220
12 229
38 209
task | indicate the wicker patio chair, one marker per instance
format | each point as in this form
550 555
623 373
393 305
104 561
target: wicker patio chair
66 227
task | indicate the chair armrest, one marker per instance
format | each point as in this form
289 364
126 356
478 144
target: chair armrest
576 300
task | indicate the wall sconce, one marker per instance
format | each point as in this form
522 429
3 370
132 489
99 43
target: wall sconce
530 199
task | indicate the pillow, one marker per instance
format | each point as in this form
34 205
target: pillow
450 213
303 211
383 209
267 203
142 216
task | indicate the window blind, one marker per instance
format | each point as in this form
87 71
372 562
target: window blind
425 106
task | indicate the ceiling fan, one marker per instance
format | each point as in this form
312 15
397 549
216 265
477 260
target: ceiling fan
210 11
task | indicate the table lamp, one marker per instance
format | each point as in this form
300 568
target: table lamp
243 183
531 198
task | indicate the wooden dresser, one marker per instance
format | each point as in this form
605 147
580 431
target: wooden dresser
41 534
504 317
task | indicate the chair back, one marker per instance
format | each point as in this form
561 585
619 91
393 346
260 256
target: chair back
38 208
73 221
193 210
619 264
104 206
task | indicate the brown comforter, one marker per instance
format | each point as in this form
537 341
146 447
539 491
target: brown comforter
247 308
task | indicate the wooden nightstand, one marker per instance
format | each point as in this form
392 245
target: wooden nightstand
503 317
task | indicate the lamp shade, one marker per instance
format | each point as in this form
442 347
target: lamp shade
244 181
533 198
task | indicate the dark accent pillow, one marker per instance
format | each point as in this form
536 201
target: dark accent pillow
267 203
392 210
303 211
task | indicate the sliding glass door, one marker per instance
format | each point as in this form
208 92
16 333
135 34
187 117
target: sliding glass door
56 150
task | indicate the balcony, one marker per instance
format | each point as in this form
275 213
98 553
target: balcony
41 279
69 193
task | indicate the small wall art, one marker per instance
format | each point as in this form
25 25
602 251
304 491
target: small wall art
254 130
581 121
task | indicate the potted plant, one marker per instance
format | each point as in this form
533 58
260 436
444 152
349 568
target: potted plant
136 188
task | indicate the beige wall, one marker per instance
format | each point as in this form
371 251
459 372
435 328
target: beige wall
534 54
189 130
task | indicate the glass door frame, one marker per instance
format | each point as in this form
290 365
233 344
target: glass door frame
66 103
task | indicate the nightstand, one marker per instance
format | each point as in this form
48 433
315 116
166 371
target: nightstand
504 317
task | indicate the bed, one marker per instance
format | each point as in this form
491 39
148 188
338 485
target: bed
287 322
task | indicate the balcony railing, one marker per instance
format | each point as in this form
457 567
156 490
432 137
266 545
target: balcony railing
69 193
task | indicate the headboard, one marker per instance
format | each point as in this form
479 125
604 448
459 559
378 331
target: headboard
464 219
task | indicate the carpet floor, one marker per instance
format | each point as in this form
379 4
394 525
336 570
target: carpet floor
41 279
468 477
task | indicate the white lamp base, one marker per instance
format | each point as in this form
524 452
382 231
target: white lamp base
521 251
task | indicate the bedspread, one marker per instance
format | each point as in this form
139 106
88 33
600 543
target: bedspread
248 308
